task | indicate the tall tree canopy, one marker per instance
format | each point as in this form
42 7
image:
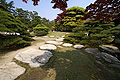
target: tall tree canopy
104 9
100 9
60 4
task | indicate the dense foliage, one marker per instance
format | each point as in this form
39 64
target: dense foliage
40 30
104 9
10 24
94 33
72 19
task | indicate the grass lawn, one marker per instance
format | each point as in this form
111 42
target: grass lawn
69 64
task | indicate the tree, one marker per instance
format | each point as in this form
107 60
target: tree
60 4
104 9
72 18
9 24
9 6
92 33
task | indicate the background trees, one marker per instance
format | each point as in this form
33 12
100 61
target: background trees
9 6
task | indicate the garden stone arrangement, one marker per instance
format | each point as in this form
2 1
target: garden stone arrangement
48 47
40 56
10 71
34 57
111 60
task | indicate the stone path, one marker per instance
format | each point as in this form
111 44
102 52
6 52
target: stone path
37 55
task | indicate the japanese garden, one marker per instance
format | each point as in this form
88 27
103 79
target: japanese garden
81 43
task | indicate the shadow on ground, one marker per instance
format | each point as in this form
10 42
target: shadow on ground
71 64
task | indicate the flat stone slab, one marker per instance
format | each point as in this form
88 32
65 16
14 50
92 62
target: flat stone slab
54 42
52 36
48 47
59 39
79 46
34 57
67 45
10 71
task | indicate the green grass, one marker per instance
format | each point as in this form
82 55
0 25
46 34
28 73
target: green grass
69 64
60 34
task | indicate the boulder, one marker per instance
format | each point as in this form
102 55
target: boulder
115 65
54 42
109 58
79 46
48 47
67 45
110 50
93 51
34 57
60 39
10 71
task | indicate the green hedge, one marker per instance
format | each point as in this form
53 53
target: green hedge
40 30
12 42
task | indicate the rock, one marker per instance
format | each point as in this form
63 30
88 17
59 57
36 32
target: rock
54 42
60 46
63 36
10 71
48 47
45 36
78 46
67 45
52 36
67 33
93 51
115 65
34 57
60 39
109 49
109 58
110 46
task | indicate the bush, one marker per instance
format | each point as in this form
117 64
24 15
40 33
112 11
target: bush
94 33
8 23
12 42
40 30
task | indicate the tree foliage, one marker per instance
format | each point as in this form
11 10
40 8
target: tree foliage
72 18
104 9
41 30
9 6
10 24
94 33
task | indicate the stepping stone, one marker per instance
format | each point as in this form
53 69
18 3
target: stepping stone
10 71
60 39
60 46
45 36
79 46
63 36
34 57
52 36
48 47
54 42
67 45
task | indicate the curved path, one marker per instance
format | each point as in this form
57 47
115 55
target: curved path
8 57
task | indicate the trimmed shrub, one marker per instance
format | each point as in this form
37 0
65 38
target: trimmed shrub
12 42
40 30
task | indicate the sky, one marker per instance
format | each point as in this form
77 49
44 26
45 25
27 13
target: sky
45 9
